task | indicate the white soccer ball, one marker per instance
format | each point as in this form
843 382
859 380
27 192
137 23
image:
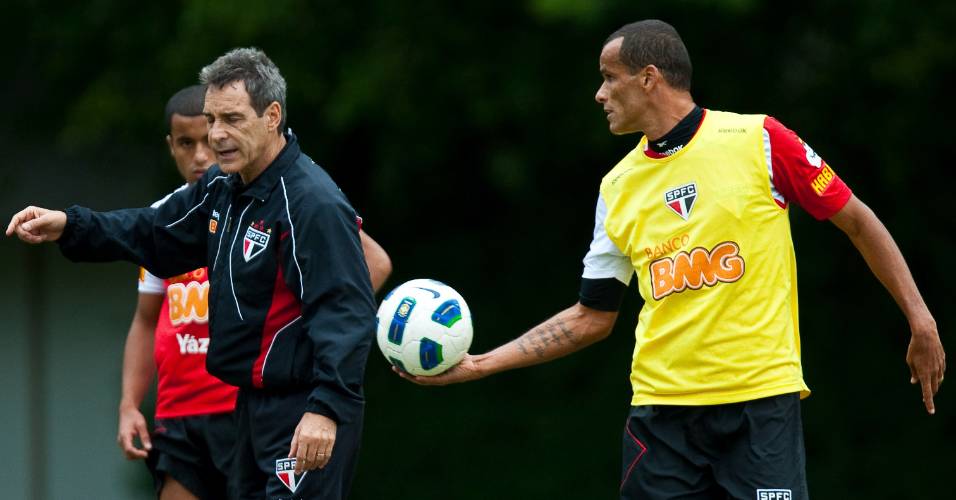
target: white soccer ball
424 327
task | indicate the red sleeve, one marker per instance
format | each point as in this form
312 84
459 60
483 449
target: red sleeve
801 176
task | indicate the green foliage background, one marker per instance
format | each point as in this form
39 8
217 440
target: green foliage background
467 136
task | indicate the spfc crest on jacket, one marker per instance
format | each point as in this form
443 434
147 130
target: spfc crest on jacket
254 242
681 199
285 469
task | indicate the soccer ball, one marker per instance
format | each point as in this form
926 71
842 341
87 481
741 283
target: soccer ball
424 327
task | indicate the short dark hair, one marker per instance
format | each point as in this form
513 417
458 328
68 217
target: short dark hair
652 41
264 83
187 102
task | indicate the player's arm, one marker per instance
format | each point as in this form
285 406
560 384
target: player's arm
802 176
138 369
167 240
925 356
564 333
326 268
379 264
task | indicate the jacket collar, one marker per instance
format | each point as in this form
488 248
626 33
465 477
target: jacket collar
262 186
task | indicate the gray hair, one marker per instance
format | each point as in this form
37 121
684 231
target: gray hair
264 83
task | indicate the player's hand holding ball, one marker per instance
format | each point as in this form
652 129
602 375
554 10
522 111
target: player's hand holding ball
424 331
465 371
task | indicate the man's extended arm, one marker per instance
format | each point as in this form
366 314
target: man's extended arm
138 370
167 240
564 333
925 355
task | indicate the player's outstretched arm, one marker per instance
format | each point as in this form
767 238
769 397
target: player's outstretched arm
36 225
568 331
925 356
138 370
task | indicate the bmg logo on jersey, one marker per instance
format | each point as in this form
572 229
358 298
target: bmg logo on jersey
774 495
681 199
696 269
188 303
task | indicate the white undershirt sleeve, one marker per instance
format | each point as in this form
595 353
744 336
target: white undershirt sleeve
604 259
150 284
147 282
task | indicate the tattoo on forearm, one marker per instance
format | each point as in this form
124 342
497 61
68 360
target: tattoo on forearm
552 332
521 346
567 333
538 341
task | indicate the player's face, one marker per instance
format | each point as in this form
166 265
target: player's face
620 93
237 134
189 145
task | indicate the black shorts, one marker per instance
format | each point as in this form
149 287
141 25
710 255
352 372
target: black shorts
748 450
196 451
266 422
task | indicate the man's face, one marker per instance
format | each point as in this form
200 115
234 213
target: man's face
620 93
189 146
237 135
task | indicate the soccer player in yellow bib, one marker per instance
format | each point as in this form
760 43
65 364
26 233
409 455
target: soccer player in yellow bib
699 211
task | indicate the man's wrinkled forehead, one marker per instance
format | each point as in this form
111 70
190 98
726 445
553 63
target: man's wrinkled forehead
230 96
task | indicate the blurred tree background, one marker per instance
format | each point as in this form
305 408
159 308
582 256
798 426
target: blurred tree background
467 136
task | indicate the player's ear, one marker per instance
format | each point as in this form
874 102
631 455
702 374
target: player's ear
649 75
169 142
273 116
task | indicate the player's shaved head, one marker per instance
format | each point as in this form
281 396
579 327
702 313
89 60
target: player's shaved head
652 41
261 76
187 102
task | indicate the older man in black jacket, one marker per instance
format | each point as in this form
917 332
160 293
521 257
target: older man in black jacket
291 307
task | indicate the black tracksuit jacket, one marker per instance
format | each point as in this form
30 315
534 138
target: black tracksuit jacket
290 301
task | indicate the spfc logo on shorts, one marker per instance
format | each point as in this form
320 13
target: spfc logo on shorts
681 199
285 469
777 494
254 242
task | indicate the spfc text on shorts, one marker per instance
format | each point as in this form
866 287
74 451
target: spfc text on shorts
774 495
285 469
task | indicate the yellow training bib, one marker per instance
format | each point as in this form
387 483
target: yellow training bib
715 265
